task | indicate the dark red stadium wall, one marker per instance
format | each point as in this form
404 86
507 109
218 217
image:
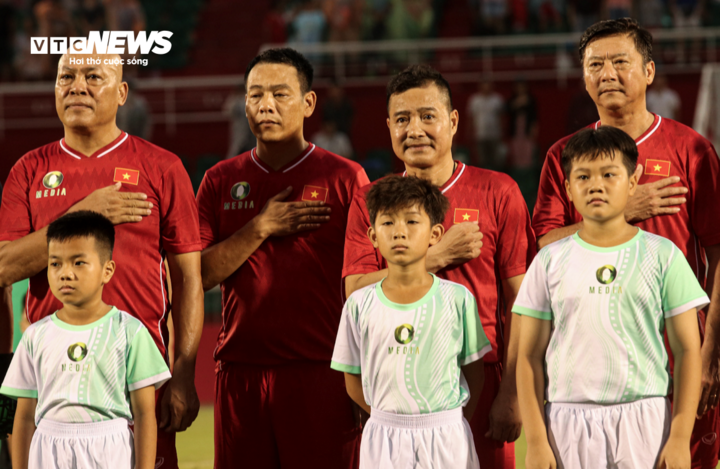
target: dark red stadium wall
369 127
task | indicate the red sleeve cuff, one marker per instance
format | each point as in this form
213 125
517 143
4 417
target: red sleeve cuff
513 271
356 269
182 248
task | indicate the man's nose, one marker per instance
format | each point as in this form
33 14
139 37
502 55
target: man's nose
267 103
78 86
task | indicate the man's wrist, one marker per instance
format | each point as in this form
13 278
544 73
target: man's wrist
258 229
434 260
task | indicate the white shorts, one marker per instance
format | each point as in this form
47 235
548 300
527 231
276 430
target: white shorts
440 440
98 445
623 436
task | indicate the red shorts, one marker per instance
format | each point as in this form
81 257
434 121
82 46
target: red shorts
491 453
165 456
294 417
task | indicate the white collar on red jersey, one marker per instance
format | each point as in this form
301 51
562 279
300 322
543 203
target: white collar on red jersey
254 157
62 145
647 135
452 181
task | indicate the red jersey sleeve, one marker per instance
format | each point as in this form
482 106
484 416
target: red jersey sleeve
178 212
515 245
704 194
360 255
15 219
552 208
206 199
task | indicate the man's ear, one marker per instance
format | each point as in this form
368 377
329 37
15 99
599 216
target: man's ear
567 189
108 271
436 234
310 102
372 236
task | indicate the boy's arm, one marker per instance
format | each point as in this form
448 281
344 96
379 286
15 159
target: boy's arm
534 339
684 338
23 431
142 402
353 384
475 376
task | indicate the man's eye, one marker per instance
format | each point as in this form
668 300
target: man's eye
400 120
53 264
280 95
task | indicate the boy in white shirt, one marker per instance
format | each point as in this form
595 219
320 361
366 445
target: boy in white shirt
85 373
595 306
411 345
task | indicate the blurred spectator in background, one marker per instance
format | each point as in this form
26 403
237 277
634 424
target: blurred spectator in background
662 100
333 140
274 29
687 14
241 139
376 12
28 67
522 127
344 19
649 13
339 109
410 19
584 13
91 17
308 24
616 9
125 15
493 14
134 116
53 20
548 14
7 39
582 111
485 110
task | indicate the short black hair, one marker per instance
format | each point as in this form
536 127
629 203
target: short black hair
395 193
286 56
606 141
84 224
418 76
623 26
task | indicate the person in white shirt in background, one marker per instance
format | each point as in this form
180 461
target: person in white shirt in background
333 140
662 100
485 110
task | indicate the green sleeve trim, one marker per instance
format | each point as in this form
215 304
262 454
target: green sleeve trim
523 311
345 368
15 393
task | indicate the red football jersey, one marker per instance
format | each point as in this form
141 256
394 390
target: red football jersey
667 148
47 181
284 303
494 201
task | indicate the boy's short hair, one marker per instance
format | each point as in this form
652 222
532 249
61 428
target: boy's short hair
591 144
395 193
285 56
620 27
418 76
84 224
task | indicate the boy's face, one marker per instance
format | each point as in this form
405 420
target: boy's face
404 236
600 188
77 271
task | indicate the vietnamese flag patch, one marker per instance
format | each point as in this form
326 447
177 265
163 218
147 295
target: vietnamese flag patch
466 214
314 194
657 168
128 176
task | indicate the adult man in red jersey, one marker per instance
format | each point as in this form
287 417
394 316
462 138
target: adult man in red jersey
141 188
272 222
486 210
677 196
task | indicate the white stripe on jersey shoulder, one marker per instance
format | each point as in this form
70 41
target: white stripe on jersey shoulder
652 131
462 170
101 154
645 137
444 281
301 159
252 156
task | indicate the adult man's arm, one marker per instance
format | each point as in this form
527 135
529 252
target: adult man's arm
461 243
650 200
180 404
26 256
710 351
504 420
277 218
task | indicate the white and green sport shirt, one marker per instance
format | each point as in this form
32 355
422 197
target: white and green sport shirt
608 308
410 355
82 374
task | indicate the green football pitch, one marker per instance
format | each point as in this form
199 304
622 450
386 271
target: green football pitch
195 446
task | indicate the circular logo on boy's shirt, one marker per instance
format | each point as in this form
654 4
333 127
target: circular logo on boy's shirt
407 331
240 190
53 179
606 274
77 352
